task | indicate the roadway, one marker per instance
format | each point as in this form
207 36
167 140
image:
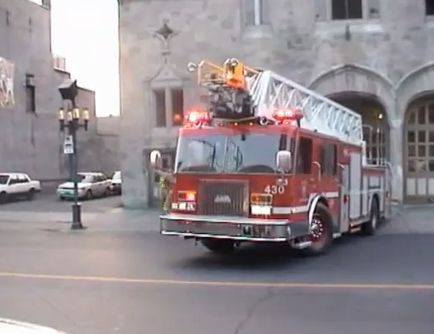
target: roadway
135 281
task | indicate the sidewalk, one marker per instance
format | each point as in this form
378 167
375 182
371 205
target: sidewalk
115 220
410 219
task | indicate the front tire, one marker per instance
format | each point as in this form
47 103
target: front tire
219 246
89 195
3 197
321 232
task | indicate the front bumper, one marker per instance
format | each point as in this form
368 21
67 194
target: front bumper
236 228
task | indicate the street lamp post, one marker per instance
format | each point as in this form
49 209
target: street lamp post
72 120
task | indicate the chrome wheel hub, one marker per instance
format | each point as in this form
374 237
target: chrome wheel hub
316 229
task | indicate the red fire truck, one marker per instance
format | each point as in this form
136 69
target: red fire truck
268 160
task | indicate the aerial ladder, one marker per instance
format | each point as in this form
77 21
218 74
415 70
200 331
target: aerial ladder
240 92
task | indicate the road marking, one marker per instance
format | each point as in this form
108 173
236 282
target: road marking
284 285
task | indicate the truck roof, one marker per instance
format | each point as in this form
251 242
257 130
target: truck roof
233 129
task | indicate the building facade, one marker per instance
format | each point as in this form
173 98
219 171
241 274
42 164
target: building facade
30 140
374 56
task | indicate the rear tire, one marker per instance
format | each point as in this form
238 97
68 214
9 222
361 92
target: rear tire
3 197
322 232
219 246
31 194
370 227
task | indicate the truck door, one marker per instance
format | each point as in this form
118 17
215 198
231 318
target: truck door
305 183
328 179
355 185
344 184
388 190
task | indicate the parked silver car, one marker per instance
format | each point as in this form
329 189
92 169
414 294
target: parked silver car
90 185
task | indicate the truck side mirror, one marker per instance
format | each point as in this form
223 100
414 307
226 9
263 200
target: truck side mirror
155 159
284 161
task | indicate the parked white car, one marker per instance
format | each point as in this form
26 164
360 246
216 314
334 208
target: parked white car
17 185
116 183
90 185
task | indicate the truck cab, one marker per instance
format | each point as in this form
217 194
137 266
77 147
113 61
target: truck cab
242 181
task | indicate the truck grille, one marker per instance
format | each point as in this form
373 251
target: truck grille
223 198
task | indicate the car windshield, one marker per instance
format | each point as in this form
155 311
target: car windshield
4 179
117 176
237 153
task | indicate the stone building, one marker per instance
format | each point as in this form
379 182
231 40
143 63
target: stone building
374 56
30 140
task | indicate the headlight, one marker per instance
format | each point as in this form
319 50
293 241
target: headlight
187 196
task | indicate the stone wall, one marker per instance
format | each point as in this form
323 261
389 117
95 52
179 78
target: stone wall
30 141
387 55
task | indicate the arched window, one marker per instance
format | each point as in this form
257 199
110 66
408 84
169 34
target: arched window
169 106
374 119
419 150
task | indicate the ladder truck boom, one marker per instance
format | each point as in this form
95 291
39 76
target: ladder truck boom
270 91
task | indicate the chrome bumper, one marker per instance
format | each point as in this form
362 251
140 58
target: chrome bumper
236 228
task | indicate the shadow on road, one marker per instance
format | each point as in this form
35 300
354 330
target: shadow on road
251 257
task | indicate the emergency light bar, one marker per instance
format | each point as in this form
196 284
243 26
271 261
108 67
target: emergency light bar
281 115
195 117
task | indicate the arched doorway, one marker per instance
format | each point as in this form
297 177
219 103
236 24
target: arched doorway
419 151
375 123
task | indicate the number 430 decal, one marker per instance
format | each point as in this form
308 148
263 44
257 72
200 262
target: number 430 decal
274 189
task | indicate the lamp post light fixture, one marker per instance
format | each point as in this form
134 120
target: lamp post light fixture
70 121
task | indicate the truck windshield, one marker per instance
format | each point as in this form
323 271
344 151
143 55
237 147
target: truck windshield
238 153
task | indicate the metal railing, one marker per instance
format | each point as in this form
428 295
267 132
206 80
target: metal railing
377 146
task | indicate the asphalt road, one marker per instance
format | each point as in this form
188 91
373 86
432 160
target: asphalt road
144 283
141 282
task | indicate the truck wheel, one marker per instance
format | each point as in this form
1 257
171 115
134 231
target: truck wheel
322 232
218 246
370 227
3 197
31 194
